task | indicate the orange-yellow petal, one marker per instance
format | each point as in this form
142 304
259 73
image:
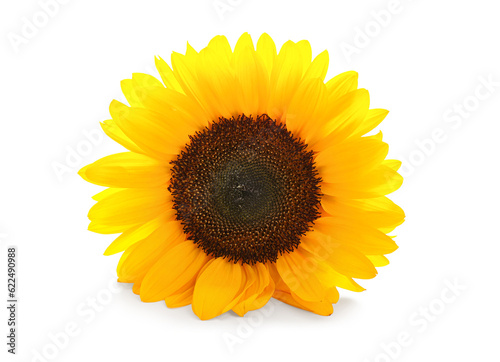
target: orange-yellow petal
254 296
176 269
217 288
298 273
135 263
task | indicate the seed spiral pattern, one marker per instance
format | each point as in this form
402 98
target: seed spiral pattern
245 189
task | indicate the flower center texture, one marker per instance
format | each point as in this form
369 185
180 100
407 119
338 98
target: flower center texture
245 189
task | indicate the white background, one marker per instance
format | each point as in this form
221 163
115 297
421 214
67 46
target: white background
423 63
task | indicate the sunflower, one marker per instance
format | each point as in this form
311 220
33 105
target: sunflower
247 177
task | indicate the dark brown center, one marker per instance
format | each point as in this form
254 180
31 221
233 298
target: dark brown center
245 189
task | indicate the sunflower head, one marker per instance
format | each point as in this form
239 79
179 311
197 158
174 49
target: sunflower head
247 177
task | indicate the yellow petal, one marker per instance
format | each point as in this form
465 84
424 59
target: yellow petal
217 288
100 228
267 51
259 274
347 113
345 161
128 91
305 107
252 80
344 282
176 107
180 299
138 233
342 84
145 253
245 41
285 78
377 212
135 89
372 120
167 75
191 53
217 84
136 289
220 47
392 164
378 260
380 181
321 308
365 239
105 193
128 169
264 296
185 72
116 134
328 276
378 136
319 67
129 207
317 264
298 272
305 52
176 268
153 133
144 83
342 258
